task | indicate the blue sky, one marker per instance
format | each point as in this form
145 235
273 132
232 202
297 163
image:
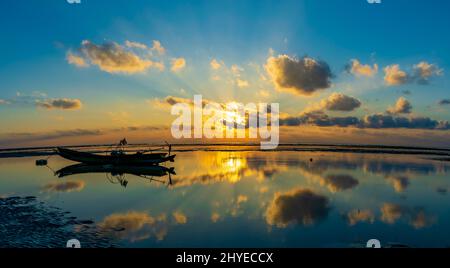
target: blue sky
38 35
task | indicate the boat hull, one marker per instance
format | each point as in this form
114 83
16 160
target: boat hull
125 159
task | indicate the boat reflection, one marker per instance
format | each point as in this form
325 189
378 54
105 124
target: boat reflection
117 173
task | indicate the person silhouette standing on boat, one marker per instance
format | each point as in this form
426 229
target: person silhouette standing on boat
123 142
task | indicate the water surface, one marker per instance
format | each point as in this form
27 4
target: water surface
226 198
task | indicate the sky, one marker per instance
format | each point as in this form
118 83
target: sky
341 71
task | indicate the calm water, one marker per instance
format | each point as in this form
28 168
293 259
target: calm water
243 199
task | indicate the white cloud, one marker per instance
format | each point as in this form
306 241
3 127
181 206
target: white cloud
395 76
423 71
158 47
402 106
215 65
359 69
236 70
76 60
132 44
178 64
242 83
113 58
421 74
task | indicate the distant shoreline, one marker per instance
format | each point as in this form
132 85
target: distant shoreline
226 144
439 154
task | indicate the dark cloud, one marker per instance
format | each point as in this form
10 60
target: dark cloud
302 76
171 100
319 118
444 102
341 102
300 206
377 121
389 121
62 104
340 182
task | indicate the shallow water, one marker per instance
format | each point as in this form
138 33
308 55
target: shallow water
247 199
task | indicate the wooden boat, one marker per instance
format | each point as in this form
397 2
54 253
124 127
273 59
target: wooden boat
115 157
151 170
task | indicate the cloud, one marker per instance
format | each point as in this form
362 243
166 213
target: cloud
395 76
241 199
76 60
402 106
300 206
444 102
242 83
400 183
339 182
179 217
215 217
62 104
389 121
114 58
340 102
178 64
8 139
302 76
3 102
132 44
358 69
168 101
134 226
158 47
422 73
66 186
319 118
391 213
355 216
174 100
236 70
29 136
376 121
215 65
